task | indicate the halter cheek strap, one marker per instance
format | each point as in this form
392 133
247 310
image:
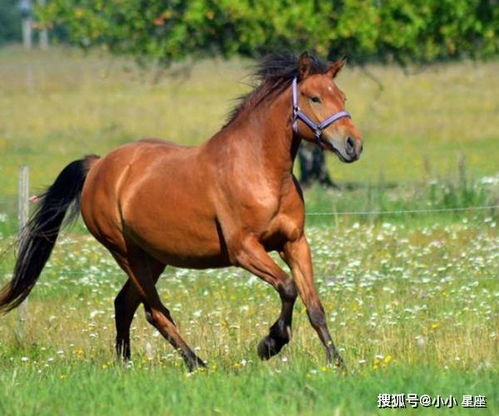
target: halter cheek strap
317 128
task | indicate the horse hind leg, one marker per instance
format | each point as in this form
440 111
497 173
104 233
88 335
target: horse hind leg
125 306
158 316
138 269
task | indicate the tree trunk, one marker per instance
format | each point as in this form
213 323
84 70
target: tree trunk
313 166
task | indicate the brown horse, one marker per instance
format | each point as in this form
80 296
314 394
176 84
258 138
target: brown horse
225 203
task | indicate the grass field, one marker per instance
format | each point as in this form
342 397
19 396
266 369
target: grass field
412 300
412 310
60 104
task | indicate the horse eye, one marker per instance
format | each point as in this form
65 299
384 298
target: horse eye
315 99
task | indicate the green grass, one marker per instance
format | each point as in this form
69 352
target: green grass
413 310
260 389
411 299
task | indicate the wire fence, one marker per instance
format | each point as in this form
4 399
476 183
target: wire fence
403 211
11 202
376 212
11 241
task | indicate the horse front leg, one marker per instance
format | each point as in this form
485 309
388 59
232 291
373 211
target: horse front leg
297 255
252 256
280 332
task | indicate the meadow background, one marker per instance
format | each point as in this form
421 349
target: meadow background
411 299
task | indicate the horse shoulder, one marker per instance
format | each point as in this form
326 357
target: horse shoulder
290 218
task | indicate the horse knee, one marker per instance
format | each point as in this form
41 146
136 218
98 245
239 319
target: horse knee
317 317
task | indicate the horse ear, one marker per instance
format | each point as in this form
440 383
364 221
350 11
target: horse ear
336 67
304 65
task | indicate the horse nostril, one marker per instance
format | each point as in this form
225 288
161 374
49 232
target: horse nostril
350 145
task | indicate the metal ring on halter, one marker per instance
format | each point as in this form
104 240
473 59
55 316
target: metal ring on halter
317 128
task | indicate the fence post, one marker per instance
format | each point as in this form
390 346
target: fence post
27 23
23 212
43 34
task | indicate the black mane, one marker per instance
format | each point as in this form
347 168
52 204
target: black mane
274 73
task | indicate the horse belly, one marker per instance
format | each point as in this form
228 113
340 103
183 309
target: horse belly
178 242
176 229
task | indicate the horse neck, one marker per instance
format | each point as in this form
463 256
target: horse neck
274 146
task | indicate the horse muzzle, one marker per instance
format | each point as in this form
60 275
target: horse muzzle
353 148
347 149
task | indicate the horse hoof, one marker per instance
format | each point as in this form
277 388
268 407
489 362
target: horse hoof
268 347
338 364
196 364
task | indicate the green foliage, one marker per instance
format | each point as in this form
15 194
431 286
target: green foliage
420 30
10 21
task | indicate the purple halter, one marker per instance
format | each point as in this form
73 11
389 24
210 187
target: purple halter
317 128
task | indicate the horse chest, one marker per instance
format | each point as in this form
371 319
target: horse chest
269 208
275 220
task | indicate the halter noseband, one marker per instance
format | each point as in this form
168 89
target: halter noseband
317 128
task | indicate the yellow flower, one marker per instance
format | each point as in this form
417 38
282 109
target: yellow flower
435 325
388 358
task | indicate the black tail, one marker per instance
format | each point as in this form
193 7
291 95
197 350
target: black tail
39 236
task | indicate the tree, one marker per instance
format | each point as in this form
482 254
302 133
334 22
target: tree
313 166
10 21
363 30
